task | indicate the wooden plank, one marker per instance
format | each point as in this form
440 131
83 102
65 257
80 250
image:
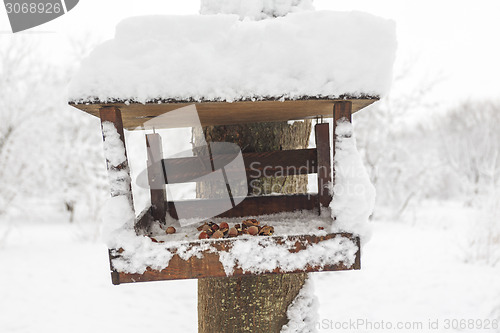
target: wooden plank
156 176
250 206
210 266
322 134
223 113
268 164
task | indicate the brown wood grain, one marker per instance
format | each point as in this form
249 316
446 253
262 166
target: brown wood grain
322 132
223 113
343 109
210 266
156 176
250 206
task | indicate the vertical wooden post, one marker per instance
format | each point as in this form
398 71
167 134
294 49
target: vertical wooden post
156 177
323 164
114 116
118 173
341 109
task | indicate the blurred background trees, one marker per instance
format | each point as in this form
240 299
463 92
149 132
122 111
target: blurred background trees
51 162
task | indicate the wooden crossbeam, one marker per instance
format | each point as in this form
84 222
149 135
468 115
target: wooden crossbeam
254 206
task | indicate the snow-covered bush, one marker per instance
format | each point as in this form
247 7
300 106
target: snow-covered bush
483 239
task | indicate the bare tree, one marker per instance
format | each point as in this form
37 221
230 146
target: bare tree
390 143
470 144
24 104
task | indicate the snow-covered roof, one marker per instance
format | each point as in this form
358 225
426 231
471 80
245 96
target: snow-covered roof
222 58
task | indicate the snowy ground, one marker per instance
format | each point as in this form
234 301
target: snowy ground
411 272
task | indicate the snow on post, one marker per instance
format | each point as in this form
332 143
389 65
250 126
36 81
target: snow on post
302 314
118 213
353 193
114 151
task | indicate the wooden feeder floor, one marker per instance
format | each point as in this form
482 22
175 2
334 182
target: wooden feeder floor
209 265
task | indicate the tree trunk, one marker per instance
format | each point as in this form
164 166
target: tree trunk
252 303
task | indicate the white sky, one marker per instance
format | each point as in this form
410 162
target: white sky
457 39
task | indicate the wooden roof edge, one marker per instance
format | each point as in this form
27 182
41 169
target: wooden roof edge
96 101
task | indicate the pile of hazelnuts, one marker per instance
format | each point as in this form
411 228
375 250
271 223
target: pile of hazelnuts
247 227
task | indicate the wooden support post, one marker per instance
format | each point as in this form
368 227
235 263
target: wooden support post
341 110
323 164
118 170
156 177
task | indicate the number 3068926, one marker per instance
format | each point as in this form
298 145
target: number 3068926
32 8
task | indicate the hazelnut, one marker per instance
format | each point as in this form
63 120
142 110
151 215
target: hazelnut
170 230
253 230
218 234
203 235
266 230
201 227
224 225
206 227
233 232
250 222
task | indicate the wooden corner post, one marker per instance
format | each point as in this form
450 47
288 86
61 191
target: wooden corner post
342 109
118 169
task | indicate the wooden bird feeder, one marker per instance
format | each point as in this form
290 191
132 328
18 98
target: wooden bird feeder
133 115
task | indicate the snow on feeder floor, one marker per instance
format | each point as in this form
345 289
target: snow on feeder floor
301 242
305 65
